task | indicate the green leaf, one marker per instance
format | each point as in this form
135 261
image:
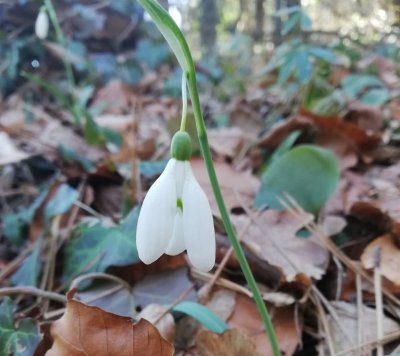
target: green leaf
324 54
28 272
61 202
97 248
285 145
202 314
19 339
294 20
375 97
308 173
354 84
153 54
171 33
305 21
15 225
70 155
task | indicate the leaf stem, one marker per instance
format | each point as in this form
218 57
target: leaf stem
205 148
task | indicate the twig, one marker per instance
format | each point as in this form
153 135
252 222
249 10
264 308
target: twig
378 299
98 275
33 291
292 206
360 323
325 324
16 262
370 345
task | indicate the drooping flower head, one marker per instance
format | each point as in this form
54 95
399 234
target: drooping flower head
42 24
176 215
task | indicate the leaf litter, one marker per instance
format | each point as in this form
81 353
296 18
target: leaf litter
63 203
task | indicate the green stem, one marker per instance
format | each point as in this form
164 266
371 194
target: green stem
184 102
179 46
61 40
205 148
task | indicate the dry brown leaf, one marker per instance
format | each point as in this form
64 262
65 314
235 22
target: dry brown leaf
226 141
366 117
273 238
158 315
230 343
86 330
246 318
389 257
347 316
9 152
233 184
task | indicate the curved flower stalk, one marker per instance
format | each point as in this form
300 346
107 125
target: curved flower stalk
181 49
176 216
42 24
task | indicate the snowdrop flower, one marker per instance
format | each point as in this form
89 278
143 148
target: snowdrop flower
42 24
175 214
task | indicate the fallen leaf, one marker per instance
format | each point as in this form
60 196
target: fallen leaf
389 257
10 153
164 287
237 187
88 330
226 141
246 318
366 117
231 342
17 338
159 316
346 335
272 236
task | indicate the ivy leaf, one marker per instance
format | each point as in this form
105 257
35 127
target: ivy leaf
61 202
96 248
20 338
308 173
28 272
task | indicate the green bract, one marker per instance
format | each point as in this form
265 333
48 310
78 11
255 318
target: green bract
170 31
181 146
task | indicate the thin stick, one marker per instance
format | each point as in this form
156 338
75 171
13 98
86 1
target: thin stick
298 211
33 291
378 299
96 275
325 324
360 305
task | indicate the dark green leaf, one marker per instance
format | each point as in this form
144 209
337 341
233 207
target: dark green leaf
28 272
294 20
97 248
324 54
354 84
15 225
375 97
70 156
17 339
150 169
61 202
308 173
202 314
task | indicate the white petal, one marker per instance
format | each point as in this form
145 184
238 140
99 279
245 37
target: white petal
198 225
177 243
156 218
42 25
180 175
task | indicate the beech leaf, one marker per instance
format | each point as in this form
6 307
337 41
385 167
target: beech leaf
89 330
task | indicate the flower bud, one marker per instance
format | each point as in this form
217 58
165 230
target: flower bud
181 146
42 24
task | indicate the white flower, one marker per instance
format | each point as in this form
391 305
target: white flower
175 216
42 24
